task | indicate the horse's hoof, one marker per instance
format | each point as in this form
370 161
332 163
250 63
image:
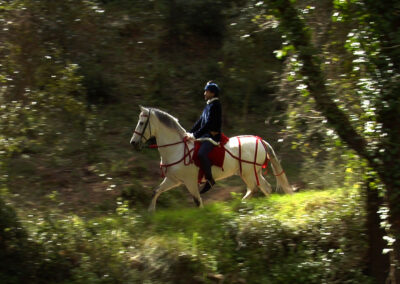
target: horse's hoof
196 201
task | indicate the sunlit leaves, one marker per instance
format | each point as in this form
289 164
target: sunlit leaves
285 51
41 90
35 116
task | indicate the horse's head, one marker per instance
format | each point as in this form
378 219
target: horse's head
142 131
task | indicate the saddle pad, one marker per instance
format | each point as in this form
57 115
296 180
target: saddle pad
216 156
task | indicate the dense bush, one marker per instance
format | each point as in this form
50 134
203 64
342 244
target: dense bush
18 253
314 237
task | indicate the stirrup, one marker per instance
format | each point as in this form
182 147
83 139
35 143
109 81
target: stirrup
207 186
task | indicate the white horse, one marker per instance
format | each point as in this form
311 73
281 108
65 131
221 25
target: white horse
245 155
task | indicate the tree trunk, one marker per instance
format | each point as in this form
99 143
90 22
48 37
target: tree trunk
378 263
386 165
392 199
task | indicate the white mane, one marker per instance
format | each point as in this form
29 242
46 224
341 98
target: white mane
169 121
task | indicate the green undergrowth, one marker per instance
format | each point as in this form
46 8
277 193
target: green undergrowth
308 237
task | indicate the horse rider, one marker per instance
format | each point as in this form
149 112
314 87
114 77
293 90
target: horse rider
208 130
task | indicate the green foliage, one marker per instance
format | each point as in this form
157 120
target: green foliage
312 237
18 253
362 115
343 52
58 60
205 18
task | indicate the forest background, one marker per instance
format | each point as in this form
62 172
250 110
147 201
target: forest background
317 79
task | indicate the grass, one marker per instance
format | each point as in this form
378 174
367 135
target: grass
308 237
307 230
298 208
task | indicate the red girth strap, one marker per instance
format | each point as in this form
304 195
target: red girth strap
240 155
254 163
255 160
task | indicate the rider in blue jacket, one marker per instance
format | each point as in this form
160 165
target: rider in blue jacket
208 130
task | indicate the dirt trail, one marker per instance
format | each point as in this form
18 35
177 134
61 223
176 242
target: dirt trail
220 193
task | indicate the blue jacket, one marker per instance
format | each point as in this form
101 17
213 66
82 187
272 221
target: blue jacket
210 120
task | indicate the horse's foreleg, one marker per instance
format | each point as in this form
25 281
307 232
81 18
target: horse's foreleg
166 184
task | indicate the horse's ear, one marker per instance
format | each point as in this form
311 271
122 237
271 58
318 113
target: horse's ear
141 108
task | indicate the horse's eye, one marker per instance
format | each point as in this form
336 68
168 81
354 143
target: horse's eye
141 123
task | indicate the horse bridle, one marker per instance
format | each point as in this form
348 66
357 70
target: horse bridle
147 123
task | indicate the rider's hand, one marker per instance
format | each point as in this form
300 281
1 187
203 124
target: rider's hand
190 136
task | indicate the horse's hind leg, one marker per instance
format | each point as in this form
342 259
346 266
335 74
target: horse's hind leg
251 184
264 185
166 184
249 193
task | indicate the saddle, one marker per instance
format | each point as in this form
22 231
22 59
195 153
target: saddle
216 156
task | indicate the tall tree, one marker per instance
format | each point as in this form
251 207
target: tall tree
383 154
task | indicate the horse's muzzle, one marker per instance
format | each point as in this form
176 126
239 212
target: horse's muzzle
136 145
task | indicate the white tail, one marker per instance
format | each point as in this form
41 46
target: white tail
279 173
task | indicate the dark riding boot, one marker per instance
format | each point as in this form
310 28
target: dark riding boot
205 148
207 186
206 165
